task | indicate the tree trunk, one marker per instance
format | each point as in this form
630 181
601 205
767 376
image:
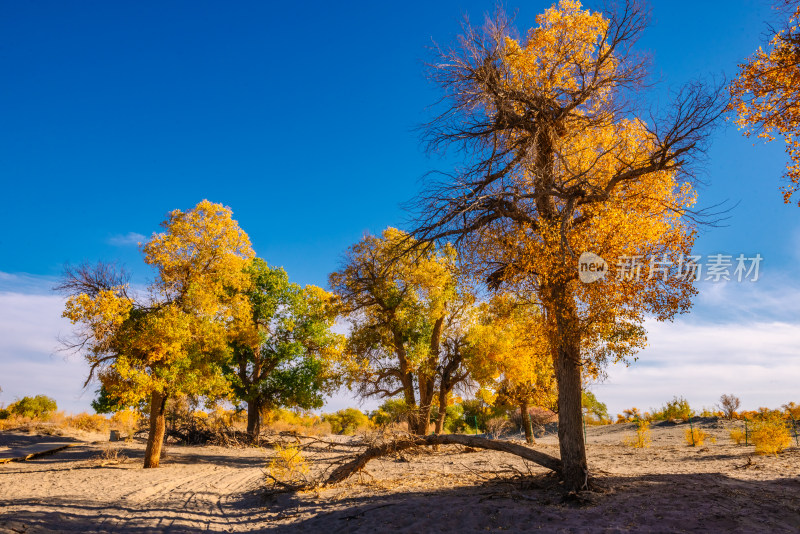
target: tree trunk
254 418
376 451
526 422
570 433
567 361
155 438
442 409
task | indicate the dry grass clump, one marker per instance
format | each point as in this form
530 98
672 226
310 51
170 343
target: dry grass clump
643 437
281 420
88 422
110 455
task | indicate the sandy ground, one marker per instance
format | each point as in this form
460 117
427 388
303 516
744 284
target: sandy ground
669 487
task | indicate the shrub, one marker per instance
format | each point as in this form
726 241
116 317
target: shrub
391 411
497 426
696 436
770 436
346 421
677 408
642 439
288 466
89 422
127 422
793 410
629 416
38 407
738 436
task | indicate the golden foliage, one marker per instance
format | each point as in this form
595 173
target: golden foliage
173 343
510 354
766 94
695 437
770 436
287 466
737 436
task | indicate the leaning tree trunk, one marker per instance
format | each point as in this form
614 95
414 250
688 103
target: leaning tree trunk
526 421
155 438
567 363
254 418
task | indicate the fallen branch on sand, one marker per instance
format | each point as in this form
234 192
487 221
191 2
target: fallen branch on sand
399 443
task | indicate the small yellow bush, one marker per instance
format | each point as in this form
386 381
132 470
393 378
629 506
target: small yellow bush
770 436
737 436
643 438
695 437
288 466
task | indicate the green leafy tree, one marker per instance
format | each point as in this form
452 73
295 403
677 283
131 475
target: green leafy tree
38 407
346 421
281 353
592 406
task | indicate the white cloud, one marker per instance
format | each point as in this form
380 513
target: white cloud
757 361
131 238
30 325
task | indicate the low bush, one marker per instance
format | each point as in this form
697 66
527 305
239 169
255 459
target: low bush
738 436
497 426
287 466
643 438
770 436
695 437
677 408
89 422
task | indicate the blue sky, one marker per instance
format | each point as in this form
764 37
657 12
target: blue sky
301 118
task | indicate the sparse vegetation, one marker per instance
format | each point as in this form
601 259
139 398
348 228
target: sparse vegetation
738 436
677 408
643 438
695 437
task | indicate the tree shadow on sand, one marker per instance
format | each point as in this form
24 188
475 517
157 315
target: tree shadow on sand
710 502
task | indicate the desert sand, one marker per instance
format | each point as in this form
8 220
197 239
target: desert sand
669 487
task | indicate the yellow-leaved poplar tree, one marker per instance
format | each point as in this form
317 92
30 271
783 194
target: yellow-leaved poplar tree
174 341
512 357
559 162
405 312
